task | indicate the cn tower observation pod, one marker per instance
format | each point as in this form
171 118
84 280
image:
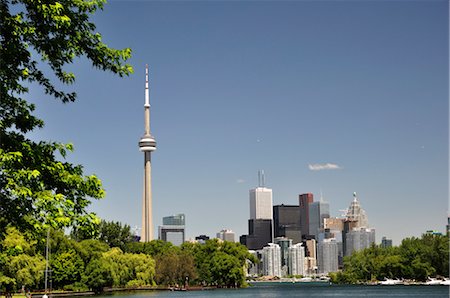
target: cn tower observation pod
147 143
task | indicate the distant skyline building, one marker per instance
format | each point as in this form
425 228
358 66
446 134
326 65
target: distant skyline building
226 235
259 234
386 242
327 255
355 220
284 244
310 245
286 222
260 224
174 229
334 223
358 239
261 200
296 259
304 201
174 220
356 213
318 211
271 259
147 144
336 234
348 226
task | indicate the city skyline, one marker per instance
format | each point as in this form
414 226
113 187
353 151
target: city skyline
338 97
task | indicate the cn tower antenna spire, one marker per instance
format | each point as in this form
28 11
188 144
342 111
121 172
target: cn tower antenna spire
147 95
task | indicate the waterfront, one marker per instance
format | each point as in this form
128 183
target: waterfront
275 290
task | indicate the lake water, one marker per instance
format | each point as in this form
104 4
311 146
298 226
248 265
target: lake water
275 290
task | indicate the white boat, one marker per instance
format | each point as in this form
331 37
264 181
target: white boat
433 281
391 282
445 282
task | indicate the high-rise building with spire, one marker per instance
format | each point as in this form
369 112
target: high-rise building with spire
260 224
356 213
356 234
147 144
261 200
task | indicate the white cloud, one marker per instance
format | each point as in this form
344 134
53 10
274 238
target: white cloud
240 181
323 166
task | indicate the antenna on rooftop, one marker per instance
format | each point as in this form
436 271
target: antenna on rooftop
261 178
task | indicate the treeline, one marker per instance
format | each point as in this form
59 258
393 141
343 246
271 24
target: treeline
414 259
114 259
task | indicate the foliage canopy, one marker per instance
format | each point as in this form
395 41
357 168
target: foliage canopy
37 189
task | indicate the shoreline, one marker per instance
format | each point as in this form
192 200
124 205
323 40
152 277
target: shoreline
109 291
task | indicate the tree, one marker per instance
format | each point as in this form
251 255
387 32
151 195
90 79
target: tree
91 249
415 258
67 267
98 275
37 189
114 234
129 269
219 263
152 248
176 267
19 265
226 270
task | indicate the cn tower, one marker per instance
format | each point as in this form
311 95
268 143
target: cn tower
147 144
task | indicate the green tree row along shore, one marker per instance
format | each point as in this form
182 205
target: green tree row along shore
113 259
414 259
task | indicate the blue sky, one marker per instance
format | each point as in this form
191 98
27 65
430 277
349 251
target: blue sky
276 85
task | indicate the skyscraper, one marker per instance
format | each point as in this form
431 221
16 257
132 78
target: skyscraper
284 244
260 224
261 200
310 245
173 229
304 201
271 259
327 255
296 259
358 239
286 222
174 220
356 220
356 213
259 233
147 144
318 211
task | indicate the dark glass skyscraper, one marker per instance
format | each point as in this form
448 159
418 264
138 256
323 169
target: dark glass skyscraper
286 221
259 233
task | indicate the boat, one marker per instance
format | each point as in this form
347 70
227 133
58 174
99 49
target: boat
445 282
391 282
433 281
